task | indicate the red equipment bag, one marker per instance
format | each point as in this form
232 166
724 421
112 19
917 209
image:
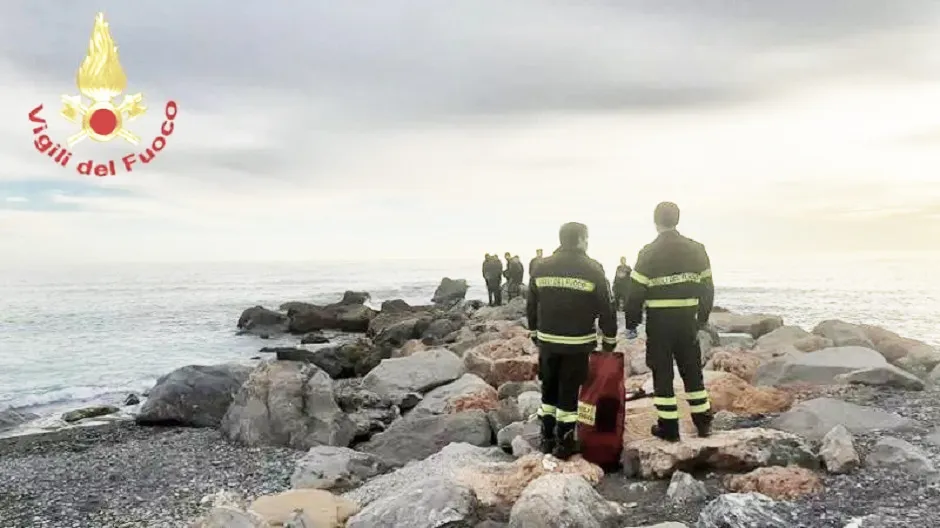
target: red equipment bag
601 409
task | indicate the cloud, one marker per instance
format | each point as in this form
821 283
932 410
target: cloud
406 58
325 128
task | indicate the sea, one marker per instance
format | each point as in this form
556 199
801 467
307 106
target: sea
73 335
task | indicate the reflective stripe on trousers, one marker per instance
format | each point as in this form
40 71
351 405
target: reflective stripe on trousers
671 303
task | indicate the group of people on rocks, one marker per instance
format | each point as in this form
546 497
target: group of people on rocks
493 274
514 272
569 299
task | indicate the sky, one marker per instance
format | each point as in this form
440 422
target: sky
343 130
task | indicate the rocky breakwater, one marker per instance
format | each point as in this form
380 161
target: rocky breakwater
349 314
426 419
440 380
804 420
792 438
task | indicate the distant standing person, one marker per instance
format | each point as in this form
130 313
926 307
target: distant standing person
535 261
567 293
493 276
673 280
621 283
514 276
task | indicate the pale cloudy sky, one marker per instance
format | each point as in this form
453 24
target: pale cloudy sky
326 129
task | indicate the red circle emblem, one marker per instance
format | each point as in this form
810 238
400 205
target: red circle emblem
103 122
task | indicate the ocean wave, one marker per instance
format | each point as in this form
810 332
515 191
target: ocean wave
39 398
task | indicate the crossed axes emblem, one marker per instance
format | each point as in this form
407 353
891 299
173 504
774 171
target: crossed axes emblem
76 112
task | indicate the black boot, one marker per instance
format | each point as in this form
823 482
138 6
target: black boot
547 444
703 422
667 430
567 442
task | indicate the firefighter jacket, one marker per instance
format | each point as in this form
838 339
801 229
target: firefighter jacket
534 263
492 270
671 273
567 292
514 270
622 279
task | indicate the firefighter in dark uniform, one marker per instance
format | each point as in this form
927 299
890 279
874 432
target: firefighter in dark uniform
672 280
535 261
493 276
514 274
621 283
567 292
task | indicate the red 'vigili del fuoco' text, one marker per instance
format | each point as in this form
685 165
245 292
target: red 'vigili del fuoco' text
63 157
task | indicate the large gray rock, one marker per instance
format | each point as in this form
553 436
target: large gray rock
843 334
369 412
229 511
348 315
512 389
934 377
684 489
754 324
335 468
425 504
11 418
924 356
400 332
838 451
791 336
260 320
745 510
505 414
884 376
287 403
420 372
814 418
92 411
450 291
439 329
894 453
399 322
348 360
529 403
444 465
442 399
820 367
514 309
529 430
195 395
707 337
739 450
736 340
562 501
521 447
465 342
416 438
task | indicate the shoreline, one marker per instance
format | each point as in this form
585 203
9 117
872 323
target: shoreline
122 474
446 388
47 413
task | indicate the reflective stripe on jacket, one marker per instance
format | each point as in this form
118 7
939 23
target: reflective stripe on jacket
567 292
672 272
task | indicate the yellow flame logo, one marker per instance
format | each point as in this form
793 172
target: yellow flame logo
101 78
